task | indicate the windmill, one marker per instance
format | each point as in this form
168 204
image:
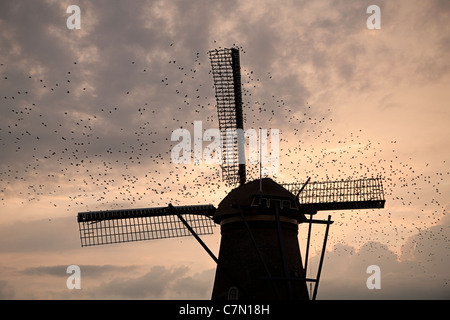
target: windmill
259 255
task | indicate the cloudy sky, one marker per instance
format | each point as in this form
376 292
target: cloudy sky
87 116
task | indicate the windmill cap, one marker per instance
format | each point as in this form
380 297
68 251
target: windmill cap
244 195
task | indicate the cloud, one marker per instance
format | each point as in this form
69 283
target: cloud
92 121
159 283
86 118
44 235
114 125
429 248
91 271
6 291
345 275
196 286
419 272
154 282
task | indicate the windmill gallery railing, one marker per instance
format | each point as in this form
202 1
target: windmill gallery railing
339 195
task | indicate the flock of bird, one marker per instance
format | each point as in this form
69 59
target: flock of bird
117 155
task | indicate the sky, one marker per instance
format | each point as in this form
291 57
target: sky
87 116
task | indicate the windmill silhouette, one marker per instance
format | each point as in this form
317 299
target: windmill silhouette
259 255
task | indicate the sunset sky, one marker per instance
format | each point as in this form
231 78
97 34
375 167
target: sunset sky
86 117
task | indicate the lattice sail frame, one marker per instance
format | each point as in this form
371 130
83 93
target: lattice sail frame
225 64
116 226
340 195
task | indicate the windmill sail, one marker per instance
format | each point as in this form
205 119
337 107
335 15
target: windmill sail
115 226
339 195
226 72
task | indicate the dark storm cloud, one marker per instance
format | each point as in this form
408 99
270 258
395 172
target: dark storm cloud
116 107
33 38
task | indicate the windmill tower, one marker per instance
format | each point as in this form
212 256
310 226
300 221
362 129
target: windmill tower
259 244
259 255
